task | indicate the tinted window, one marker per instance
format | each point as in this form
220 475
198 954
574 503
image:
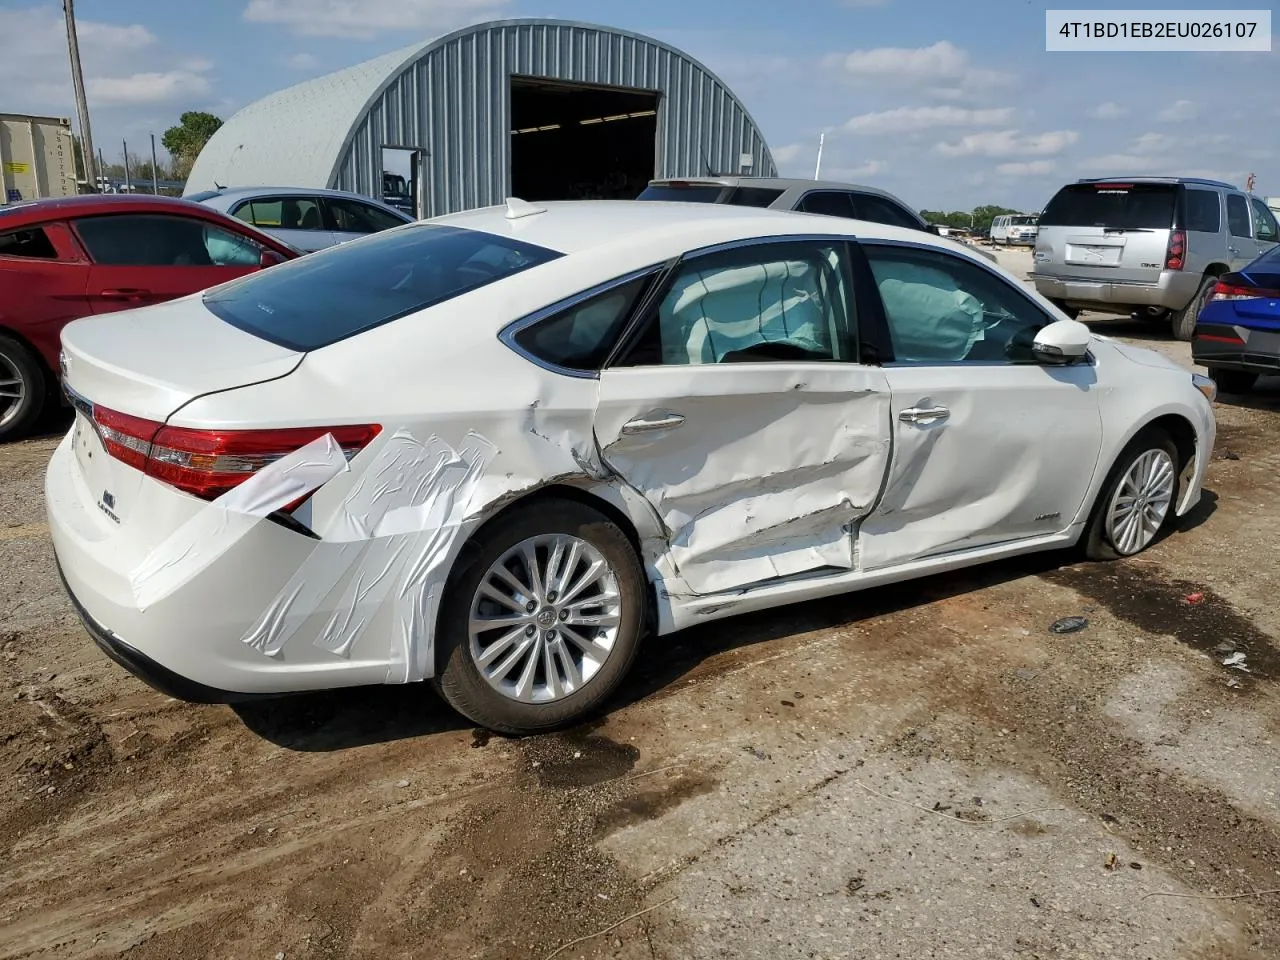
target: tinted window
944 309
325 297
352 216
879 210
282 213
33 243
1264 221
693 193
753 197
203 195
1238 220
829 203
770 302
1128 206
580 337
145 240
1204 211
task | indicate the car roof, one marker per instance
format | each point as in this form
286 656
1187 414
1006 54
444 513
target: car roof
1197 180
33 211
570 226
779 183
236 193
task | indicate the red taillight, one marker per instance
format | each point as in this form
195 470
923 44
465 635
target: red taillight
1176 255
1227 291
208 463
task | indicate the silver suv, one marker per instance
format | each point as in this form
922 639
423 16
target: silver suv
1153 246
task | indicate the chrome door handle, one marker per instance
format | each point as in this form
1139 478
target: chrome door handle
924 414
643 424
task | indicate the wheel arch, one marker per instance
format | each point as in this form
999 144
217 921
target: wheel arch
25 342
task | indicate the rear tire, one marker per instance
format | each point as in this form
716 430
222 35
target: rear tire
1145 480
23 388
570 667
1184 320
1233 381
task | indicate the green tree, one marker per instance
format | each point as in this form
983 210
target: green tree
185 141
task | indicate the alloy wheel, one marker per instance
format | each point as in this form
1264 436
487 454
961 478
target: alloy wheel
545 618
13 390
1141 502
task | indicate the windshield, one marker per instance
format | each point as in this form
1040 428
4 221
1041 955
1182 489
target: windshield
394 185
683 192
1126 206
1024 221
328 296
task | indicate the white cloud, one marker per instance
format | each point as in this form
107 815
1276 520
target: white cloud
1009 143
302 61
157 87
912 119
364 19
1029 168
943 68
1180 111
786 154
868 169
1108 111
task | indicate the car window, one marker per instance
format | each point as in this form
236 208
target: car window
1239 222
352 216
32 243
1125 206
758 303
753 197
579 337
325 297
829 203
879 210
282 213
1204 211
155 240
941 308
1264 221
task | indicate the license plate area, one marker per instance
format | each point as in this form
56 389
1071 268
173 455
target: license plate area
1094 254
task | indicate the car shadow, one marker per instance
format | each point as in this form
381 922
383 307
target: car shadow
1264 396
1149 331
1198 514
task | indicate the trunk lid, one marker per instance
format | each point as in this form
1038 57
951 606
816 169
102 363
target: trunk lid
152 361
1115 232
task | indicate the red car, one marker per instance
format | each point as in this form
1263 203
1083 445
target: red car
69 258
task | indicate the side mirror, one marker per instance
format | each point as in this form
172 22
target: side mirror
1062 342
270 258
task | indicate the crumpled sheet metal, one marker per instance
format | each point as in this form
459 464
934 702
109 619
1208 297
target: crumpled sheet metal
388 541
217 528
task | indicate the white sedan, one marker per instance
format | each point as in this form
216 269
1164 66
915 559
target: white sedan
498 449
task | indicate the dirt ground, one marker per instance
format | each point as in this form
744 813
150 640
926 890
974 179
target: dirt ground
920 771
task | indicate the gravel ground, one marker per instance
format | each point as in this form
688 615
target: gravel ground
919 771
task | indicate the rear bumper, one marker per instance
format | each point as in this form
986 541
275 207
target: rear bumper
1258 351
1172 291
154 674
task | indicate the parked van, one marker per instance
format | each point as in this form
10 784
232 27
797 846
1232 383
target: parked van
1152 245
1011 228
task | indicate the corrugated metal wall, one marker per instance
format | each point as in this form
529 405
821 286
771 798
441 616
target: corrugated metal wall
455 103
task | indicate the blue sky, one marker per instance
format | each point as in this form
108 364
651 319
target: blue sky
948 104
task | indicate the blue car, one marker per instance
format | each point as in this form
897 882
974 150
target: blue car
1237 335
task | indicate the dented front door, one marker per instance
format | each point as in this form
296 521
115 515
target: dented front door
758 470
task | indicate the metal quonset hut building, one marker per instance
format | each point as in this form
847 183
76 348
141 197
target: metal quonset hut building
538 109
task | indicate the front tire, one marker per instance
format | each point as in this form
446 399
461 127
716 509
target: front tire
1184 320
22 389
1233 381
1136 502
543 619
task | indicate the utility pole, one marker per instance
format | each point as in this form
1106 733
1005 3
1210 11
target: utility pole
155 186
82 104
128 184
817 169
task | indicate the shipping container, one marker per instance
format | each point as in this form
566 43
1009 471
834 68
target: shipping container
37 158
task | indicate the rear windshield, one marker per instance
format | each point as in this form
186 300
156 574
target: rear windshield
687 193
202 196
328 296
1128 206
753 197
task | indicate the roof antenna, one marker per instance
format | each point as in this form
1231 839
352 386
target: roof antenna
818 168
517 208
218 185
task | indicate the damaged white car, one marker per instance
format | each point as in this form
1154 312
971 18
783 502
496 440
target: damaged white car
497 449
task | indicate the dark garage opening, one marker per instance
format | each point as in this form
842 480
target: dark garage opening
572 141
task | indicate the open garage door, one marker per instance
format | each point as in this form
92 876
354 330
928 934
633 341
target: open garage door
581 141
